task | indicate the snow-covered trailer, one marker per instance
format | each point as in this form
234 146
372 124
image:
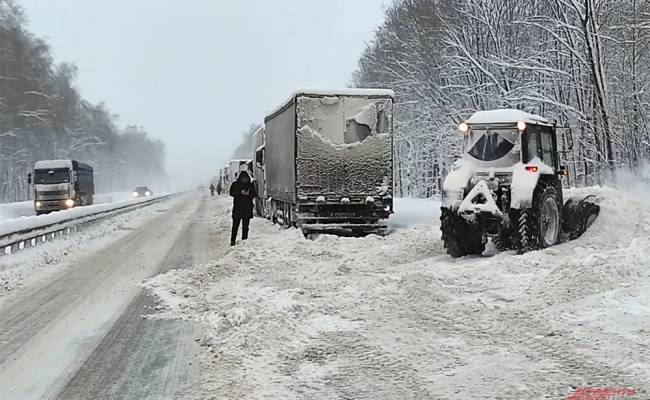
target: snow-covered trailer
329 161
259 178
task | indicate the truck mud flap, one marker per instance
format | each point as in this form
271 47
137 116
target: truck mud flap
346 230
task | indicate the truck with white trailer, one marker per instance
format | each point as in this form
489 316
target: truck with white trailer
61 184
328 159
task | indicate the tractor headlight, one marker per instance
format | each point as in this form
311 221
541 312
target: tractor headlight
69 203
463 127
521 125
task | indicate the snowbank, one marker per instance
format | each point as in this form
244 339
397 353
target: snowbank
394 317
26 208
29 222
410 212
15 210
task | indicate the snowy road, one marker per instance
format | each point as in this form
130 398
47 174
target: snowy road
282 317
80 334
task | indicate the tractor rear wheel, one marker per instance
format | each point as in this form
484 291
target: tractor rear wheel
541 225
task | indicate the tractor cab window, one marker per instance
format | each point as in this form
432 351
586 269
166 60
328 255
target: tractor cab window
490 145
532 144
547 148
539 143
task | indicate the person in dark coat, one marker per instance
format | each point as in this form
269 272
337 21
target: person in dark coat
211 190
243 193
219 188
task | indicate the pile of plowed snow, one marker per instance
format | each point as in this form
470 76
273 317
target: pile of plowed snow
395 317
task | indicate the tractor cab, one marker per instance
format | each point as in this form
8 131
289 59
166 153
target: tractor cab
502 138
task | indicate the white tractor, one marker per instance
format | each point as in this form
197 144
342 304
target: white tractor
507 187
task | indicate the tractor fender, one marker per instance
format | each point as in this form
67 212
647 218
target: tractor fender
457 180
525 181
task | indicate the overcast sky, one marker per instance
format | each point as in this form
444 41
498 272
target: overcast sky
197 73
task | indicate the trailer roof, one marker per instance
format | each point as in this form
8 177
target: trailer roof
331 92
505 116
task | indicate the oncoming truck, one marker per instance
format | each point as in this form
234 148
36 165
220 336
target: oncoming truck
61 184
328 161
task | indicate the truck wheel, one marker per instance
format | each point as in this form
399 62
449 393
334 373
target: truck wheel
274 212
541 226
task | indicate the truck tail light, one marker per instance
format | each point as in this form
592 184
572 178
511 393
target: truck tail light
382 214
532 168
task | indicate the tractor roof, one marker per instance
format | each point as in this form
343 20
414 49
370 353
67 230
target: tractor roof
505 116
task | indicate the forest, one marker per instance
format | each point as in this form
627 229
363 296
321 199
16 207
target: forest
582 63
43 116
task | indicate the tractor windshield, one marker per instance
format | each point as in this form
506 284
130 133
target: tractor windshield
488 145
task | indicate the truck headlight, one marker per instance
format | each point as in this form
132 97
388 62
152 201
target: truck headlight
147 193
69 203
38 204
135 194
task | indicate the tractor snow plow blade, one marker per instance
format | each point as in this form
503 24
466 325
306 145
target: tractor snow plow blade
578 214
347 230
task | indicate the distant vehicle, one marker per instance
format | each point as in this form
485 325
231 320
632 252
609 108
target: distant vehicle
142 191
235 166
61 184
224 178
259 178
328 161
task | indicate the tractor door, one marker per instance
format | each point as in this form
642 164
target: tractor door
549 150
539 141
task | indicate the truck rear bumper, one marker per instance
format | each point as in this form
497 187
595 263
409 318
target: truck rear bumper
345 229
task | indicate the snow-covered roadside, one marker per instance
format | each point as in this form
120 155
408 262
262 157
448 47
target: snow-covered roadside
28 222
393 317
14 210
31 267
9 211
410 212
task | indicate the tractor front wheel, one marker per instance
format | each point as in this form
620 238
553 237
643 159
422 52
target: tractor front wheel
458 237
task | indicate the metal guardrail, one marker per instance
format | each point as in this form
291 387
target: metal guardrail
25 238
